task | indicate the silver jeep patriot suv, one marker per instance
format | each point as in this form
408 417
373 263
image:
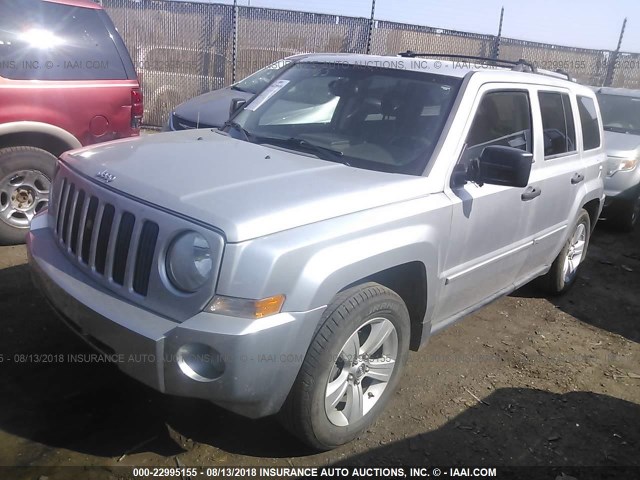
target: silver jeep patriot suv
288 262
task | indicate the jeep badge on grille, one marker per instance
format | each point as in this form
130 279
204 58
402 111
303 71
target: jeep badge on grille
106 176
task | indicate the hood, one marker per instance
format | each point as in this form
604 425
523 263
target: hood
622 145
210 109
244 189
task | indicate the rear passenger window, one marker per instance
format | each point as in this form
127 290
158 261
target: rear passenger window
557 123
49 41
589 122
502 118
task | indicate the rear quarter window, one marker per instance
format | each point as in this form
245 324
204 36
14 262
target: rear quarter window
589 122
48 41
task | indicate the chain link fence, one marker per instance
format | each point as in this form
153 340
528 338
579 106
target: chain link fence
185 49
265 36
390 38
627 70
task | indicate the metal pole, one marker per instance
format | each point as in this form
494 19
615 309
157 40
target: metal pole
234 51
371 22
613 61
496 45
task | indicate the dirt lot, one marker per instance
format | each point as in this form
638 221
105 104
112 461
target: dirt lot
558 383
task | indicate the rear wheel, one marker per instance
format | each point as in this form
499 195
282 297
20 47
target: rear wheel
25 181
351 369
565 268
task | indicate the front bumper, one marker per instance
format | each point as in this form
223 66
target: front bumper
261 357
622 186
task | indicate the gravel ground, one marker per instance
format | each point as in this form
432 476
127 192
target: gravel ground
524 381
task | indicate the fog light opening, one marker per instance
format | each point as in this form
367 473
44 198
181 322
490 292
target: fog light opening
200 362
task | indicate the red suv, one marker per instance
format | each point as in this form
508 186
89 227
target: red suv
66 80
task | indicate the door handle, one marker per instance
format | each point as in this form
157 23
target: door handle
530 193
577 178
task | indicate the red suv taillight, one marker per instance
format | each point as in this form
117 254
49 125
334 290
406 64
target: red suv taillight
137 108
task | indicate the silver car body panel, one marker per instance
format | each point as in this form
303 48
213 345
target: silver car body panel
261 356
622 184
296 225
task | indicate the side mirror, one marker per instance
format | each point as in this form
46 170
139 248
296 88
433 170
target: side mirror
500 165
236 104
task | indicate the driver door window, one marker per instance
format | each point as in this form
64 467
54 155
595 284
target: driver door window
502 118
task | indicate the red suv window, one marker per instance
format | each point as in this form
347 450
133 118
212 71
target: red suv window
48 41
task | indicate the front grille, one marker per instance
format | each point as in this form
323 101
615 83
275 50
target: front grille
105 239
120 242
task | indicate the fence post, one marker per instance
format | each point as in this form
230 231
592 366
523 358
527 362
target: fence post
611 67
496 43
371 22
234 50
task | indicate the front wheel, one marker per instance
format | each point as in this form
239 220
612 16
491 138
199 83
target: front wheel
564 270
351 368
25 180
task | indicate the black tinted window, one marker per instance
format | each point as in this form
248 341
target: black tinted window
557 123
589 122
502 118
47 41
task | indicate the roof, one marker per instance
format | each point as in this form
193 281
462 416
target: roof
458 69
623 92
452 69
77 3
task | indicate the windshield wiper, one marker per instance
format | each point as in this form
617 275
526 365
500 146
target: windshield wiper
238 128
324 153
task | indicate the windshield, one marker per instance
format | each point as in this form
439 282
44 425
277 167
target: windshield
375 118
256 82
620 113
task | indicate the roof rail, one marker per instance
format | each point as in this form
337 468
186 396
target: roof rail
518 66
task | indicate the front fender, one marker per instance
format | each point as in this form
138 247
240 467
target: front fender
311 264
337 266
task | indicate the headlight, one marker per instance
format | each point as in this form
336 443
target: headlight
620 164
189 262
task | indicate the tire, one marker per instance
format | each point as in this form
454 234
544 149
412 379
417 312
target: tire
625 216
372 310
565 268
25 180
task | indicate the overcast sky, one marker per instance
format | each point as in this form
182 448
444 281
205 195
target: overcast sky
578 23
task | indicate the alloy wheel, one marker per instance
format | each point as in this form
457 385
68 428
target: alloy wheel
23 194
361 372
